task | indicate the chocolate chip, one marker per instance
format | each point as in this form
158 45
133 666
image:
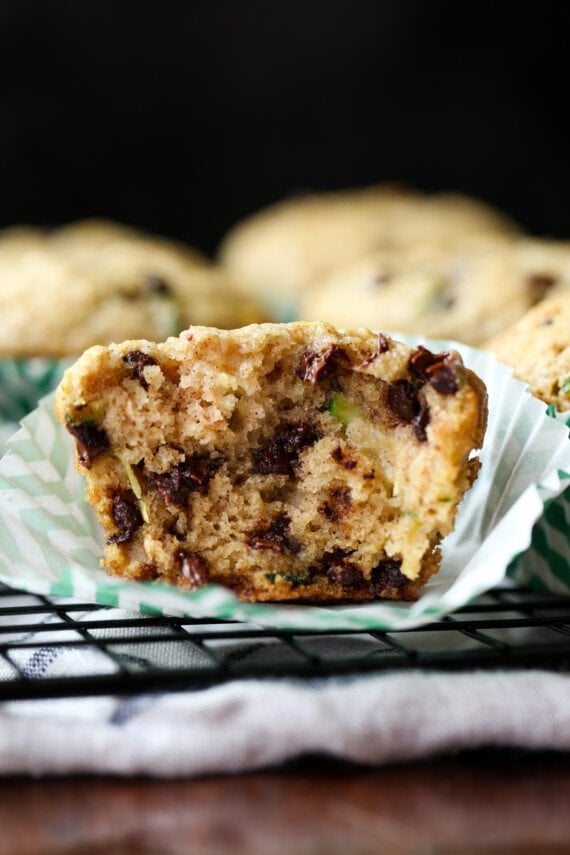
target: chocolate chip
157 285
91 441
194 473
334 556
439 369
381 278
348 575
402 400
340 571
387 574
548 322
147 572
126 516
337 504
193 566
338 456
421 421
382 346
261 541
444 299
137 361
420 361
280 454
320 364
274 536
539 284
443 376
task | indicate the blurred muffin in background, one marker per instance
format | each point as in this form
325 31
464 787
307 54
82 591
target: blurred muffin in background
111 245
537 348
287 247
470 292
95 282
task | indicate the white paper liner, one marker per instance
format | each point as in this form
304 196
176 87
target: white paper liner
51 543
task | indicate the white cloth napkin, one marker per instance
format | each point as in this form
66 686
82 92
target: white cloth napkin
251 724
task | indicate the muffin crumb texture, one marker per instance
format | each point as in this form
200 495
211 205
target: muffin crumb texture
284 461
537 348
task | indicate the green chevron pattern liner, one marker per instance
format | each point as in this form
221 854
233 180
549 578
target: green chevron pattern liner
24 381
546 563
51 543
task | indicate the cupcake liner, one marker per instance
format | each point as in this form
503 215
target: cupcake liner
546 563
51 543
23 382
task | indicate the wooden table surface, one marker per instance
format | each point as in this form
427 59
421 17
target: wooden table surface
484 803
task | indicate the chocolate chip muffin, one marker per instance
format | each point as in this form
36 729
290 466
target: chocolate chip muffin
469 293
287 247
96 282
82 242
284 461
538 350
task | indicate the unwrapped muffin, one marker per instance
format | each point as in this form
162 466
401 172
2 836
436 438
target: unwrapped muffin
287 247
538 350
469 292
96 282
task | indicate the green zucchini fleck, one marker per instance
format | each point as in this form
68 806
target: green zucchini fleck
135 485
85 414
342 409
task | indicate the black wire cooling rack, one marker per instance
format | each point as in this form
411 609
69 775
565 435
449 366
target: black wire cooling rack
55 647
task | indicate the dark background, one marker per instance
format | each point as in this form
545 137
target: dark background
183 116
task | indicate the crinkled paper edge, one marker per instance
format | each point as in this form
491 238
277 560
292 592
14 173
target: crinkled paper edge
50 542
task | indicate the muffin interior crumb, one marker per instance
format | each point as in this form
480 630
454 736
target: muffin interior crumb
284 461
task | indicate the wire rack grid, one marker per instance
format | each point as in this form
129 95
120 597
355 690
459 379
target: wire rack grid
55 647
